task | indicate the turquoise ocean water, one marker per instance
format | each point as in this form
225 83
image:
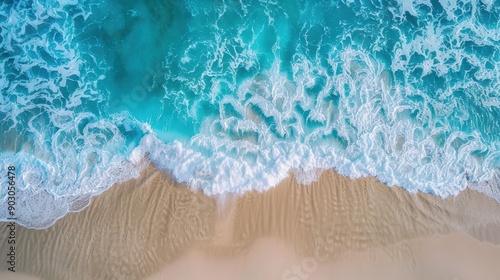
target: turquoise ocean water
231 96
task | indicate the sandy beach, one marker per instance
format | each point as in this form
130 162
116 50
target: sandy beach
335 228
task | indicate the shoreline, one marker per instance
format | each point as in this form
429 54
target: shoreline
487 187
139 228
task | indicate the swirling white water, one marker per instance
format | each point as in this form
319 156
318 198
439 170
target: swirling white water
231 96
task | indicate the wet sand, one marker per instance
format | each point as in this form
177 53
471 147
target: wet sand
4 275
450 257
154 228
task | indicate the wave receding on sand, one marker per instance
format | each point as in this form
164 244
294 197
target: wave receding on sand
147 226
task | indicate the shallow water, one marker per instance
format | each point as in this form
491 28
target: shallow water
230 96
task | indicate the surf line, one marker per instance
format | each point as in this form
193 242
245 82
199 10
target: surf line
11 202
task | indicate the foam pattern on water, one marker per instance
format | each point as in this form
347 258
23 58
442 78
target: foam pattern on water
233 96
414 102
64 147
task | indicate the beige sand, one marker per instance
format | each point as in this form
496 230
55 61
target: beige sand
16 276
451 257
153 227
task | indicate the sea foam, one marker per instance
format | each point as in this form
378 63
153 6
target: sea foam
234 97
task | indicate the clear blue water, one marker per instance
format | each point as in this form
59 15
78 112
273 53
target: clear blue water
231 96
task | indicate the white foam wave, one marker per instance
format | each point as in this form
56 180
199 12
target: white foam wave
347 110
341 111
370 131
64 151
